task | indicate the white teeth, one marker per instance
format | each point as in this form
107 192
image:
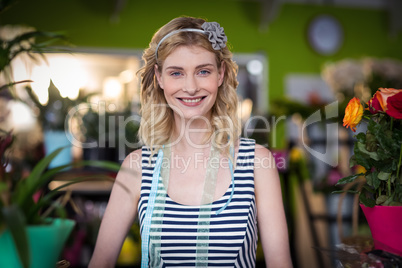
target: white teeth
191 100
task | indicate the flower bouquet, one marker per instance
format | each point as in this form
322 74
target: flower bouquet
379 149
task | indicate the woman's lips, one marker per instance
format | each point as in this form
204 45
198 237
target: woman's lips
191 101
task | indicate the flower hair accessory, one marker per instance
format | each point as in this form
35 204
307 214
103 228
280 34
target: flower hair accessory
215 32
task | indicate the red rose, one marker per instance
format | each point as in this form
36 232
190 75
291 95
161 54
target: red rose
379 102
374 105
394 105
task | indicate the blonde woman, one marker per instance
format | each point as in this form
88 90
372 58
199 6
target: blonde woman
198 189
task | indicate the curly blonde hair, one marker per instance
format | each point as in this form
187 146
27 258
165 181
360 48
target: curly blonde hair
157 120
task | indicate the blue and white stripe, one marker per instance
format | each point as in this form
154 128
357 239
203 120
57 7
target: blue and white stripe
232 238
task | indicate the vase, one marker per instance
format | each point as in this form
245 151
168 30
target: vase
45 244
385 226
54 139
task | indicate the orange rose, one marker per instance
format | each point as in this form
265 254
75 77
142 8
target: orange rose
353 114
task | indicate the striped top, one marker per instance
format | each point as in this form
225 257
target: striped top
196 236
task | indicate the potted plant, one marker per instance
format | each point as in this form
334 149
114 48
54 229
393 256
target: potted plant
30 44
33 222
52 117
27 226
107 134
18 210
379 151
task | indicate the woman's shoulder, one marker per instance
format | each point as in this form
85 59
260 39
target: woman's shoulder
129 175
263 157
262 150
133 161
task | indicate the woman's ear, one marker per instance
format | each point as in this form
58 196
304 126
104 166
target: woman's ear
222 73
158 76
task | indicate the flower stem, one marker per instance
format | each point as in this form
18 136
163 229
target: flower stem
399 163
389 186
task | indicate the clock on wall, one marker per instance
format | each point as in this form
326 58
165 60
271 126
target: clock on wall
325 34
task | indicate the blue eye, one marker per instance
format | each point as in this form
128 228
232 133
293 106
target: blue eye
204 72
175 73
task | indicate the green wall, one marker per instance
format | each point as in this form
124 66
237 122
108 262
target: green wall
88 24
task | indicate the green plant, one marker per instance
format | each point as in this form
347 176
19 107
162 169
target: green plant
53 114
32 42
94 130
379 149
18 208
27 41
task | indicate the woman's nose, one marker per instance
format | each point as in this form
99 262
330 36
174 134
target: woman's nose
190 85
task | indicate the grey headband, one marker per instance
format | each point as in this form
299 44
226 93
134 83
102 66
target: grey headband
215 32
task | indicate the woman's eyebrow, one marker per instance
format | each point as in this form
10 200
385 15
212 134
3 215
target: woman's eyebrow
174 67
197 67
205 65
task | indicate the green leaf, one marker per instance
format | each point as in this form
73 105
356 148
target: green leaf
366 201
352 161
33 182
372 180
368 189
362 159
342 191
381 199
372 155
348 179
371 143
47 199
31 208
389 199
35 34
15 221
395 203
386 166
384 176
361 137
108 165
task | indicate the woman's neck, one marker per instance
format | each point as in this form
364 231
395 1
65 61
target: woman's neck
192 134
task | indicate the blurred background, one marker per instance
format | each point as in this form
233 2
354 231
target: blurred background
295 57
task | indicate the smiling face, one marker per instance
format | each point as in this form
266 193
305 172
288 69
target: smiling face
190 79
